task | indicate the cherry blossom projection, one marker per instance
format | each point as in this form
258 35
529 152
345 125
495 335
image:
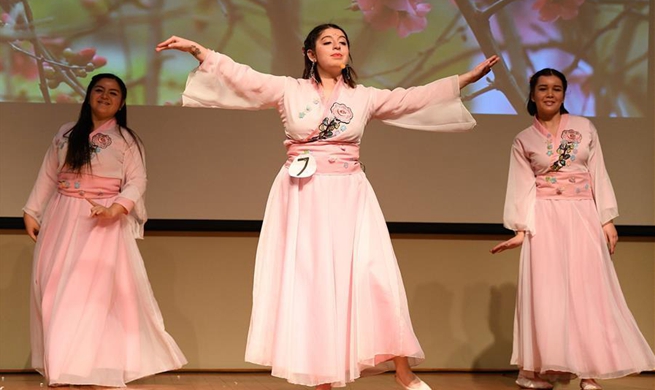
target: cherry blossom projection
48 49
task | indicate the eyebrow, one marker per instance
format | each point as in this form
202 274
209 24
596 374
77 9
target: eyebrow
330 36
110 89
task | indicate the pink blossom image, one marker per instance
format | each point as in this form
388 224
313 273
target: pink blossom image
101 140
341 112
571 136
551 10
21 65
406 16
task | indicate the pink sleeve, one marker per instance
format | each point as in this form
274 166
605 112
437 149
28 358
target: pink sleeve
521 192
435 107
45 185
606 204
132 195
220 82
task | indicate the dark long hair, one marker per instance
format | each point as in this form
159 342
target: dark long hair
348 73
532 106
79 150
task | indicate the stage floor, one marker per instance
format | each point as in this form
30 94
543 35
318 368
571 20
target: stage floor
262 381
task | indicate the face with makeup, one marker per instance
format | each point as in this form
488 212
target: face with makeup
105 99
331 52
548 96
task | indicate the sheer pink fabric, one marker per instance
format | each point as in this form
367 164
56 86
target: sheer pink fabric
94 319
571 316
329 303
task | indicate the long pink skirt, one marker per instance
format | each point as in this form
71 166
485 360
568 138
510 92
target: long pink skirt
94 319
328 299
571 316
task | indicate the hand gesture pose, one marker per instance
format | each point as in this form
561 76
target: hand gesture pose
185 45
611 236
32 226
101 211
512 243
478 72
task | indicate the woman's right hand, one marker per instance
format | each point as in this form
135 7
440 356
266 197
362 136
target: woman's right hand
32 226
512 243
185 45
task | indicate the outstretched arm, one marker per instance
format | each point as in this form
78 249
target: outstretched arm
184 45
221 82
478 72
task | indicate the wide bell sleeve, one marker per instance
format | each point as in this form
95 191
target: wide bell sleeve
601 185
133 188
222 83
436 106
521 192
46 183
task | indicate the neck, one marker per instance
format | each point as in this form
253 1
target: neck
329 79
329 83
550 122
97 122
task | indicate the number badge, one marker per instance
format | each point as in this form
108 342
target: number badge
304 165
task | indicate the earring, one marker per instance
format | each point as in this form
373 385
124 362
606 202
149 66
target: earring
346 73
312 73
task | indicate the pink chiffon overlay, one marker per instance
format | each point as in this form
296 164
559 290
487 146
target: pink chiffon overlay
94 318
571 316
329 303
328 300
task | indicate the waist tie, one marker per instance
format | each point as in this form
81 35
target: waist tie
564 185
331 158
87 186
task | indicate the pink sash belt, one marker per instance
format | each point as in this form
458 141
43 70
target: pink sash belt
87 186
331 158
564 185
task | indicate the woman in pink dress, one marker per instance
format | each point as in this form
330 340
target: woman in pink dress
571 318
94 319
328 299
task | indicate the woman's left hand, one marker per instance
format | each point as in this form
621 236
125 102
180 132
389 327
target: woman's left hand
478 72
100 211
611 236
512 243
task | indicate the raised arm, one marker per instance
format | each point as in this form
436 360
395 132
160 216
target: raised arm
184 45
223 83
478 72
436 106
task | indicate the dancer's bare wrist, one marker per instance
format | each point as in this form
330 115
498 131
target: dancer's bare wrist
198 52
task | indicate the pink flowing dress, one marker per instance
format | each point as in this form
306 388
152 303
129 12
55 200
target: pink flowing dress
94 319
328 298
571 315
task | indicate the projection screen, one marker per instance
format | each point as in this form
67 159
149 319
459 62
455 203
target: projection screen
212 164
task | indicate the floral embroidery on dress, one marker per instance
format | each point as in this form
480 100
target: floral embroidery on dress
335 125
567 149
62 142
549 145
307 109
571 136
101 141
327 129
98 142
341 112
